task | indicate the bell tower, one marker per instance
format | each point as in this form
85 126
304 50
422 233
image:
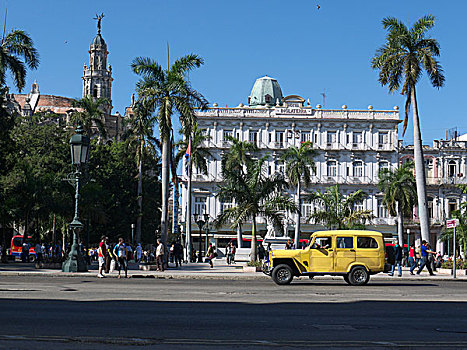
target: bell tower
97 76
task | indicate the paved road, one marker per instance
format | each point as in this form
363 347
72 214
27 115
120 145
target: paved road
74 313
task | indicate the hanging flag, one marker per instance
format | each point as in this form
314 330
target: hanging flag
188 154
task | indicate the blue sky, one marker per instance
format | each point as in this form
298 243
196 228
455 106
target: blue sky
305 48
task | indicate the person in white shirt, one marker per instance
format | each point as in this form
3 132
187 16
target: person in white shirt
38 251
159 256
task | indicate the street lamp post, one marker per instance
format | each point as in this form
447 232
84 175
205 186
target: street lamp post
79 145
206 224
200 222
133 234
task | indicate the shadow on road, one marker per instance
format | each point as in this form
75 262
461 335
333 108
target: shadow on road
214 322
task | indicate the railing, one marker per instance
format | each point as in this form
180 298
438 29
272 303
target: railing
298 112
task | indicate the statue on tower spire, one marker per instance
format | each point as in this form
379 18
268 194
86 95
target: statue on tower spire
99 19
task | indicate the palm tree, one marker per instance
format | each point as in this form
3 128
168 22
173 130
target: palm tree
15 46
338 211
141 135
255 195
169 91
198 155
90 114
299 165
238 158
400 193
402 59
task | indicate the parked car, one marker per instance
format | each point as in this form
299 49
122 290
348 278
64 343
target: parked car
352 254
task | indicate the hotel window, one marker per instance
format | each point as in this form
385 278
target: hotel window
227 133
332 137
383 139
332 168
280 166
358 168
383 165
315 138
226 204
306 208
358 207
357 138
253 137
305 137
200 205
382 211
280 138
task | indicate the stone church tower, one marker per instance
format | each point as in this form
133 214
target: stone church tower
97 77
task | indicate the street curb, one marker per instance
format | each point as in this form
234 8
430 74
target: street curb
220 276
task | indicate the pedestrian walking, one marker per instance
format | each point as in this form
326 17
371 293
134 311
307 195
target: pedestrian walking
234 251
38 250
397 260
211 254
424 260
178 254
418 256
160 256
139 252
412 259
101 255
120 253
228 253
261 251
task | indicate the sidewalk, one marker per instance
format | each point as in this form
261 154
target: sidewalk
197 271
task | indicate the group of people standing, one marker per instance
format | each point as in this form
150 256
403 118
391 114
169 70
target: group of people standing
418 257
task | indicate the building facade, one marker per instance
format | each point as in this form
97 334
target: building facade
97 82
352 146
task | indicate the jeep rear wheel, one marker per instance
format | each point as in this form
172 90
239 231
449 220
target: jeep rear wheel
358 276
282 274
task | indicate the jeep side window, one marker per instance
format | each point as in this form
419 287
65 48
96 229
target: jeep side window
366 242
322 243
344 242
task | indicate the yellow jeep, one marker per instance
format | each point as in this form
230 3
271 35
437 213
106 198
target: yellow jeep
352 254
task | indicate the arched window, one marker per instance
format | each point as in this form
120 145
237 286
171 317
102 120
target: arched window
358 168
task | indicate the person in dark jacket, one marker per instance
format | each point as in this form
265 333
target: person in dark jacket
398 259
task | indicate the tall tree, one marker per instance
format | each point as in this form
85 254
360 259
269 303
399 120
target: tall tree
193 147
338 211
16 52
402 59
90 114
170 92
238 158
140 135
255 194
299 166
400 193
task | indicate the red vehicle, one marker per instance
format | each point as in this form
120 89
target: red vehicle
17 247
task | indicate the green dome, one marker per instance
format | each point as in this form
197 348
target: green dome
98 40
266 91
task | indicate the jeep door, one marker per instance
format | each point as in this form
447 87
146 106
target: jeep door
322 254
345 253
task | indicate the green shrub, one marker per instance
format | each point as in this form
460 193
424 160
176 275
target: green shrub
254 263
459 264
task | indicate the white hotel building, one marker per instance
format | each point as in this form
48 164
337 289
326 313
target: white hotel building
352 146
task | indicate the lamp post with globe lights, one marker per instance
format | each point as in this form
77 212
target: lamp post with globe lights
201 220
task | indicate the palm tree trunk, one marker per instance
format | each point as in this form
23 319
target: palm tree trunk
297 220
420 172
140 197
253 255
400 226
189 242
239 236
165 189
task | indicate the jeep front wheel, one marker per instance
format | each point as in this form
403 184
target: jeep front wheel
282 274
358 276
